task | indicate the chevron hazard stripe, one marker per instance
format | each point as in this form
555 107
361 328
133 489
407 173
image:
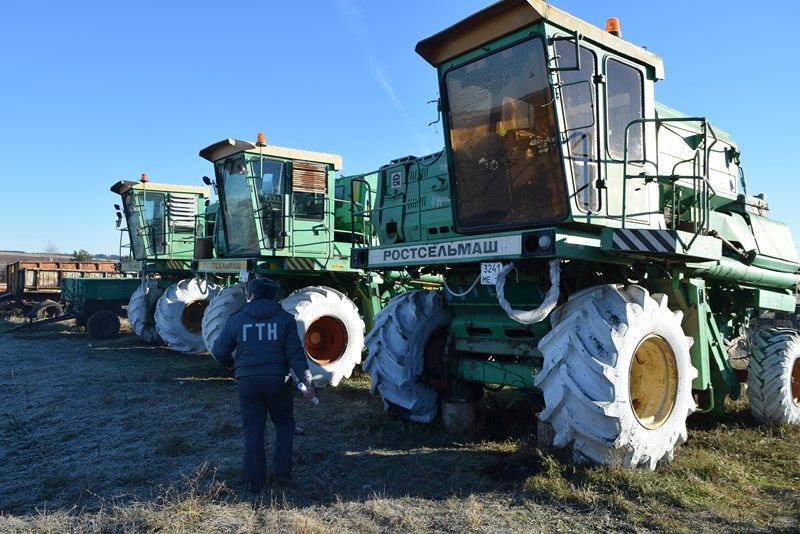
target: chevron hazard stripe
664 241
300 264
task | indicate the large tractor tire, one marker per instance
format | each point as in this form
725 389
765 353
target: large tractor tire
179 314
331 330
773 379
617 378
411 326
142 311
227 302
103 324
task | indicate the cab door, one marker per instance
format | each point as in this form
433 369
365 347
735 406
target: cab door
624 104
311 210
577 90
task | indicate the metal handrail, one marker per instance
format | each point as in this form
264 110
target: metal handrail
703 194
365 213
258 213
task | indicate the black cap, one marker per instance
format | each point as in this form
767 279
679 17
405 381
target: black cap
264 288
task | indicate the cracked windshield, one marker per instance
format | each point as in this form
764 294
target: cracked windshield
503 136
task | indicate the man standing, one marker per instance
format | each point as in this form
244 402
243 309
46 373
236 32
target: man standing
267 346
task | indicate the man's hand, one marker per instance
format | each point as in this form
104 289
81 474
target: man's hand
309 392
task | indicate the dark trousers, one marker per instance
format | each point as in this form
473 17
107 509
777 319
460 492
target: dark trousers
259 397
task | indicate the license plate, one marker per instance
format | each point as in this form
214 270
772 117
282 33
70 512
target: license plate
489 272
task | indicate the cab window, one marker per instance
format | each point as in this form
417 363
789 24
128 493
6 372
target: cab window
309 205
577 99
624 104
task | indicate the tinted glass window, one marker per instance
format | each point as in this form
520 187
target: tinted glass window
309 205
506 163
155 219
269 182
240 222
147 225
624 87
135 229
577 98
339 195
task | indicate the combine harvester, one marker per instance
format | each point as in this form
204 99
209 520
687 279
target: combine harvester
596 246
283 215
162 225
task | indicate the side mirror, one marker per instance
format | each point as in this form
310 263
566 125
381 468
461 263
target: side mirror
206 180
116 207
119 219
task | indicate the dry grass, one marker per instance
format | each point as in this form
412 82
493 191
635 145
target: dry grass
118 436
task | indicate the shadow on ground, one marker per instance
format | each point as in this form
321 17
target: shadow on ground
88 425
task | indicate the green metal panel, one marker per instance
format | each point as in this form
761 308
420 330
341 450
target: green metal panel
153 266
774 239
774 300
520 375
687 297
77 291
734 228
666 112
774 264
580 245
484 329
412 200
714 372
501 346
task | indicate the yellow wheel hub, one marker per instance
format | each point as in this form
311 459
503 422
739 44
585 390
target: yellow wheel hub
653 382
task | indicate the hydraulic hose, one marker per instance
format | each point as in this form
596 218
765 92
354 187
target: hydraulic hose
548 304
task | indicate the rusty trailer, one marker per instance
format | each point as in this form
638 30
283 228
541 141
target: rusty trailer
32 279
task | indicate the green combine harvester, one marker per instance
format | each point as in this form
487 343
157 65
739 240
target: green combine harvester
162 226
596 246
282 214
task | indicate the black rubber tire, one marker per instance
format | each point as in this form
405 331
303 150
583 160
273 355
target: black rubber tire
103 324
771 379
586 377
47 309
396 348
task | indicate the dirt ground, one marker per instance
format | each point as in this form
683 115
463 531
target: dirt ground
121 436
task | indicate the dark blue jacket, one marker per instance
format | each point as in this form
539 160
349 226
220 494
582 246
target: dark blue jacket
266 342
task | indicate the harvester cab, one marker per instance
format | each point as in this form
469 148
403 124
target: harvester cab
597 247
276 201
282 214
163 222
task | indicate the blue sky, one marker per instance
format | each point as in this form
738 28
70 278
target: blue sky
94 92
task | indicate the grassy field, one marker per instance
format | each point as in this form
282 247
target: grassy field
120 436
